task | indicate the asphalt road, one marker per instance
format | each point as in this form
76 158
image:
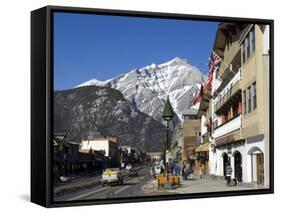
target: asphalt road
130 187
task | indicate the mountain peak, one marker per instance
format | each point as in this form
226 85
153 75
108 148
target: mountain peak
148 87
91 82
175 61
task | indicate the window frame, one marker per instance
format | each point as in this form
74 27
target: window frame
252 40
245 101
254 95
249 100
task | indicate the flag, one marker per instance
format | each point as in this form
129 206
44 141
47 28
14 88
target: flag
214 62
198 95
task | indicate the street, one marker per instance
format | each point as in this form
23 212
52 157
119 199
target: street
130 187
144 185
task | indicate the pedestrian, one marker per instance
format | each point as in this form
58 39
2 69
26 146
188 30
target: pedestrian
169 168
228 172
201 169
239 175
162 170
174 168
178 169
183 172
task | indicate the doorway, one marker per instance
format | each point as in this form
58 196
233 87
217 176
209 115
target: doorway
238 166
225 161
260 168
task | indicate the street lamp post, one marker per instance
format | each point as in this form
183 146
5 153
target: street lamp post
167 115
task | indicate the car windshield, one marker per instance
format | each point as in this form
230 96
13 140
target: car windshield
111 171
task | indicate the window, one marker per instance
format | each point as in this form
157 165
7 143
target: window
248 46
249 100
243 53
252 36
254 92
244 102
235 110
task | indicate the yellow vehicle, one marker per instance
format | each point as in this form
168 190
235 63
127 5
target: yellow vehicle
112 176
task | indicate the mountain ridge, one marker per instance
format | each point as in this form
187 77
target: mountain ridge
148 87
95 109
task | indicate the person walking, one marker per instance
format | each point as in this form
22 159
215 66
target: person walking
228 172
239 175
201 170
183 172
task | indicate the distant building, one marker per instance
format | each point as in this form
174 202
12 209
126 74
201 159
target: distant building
204 113
191 135
127 149
154 155
108 145
91 161
65 156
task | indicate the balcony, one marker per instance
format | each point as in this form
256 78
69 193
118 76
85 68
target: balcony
228 127
228 91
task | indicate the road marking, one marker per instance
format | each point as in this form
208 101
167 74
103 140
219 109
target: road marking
137 179
88 193
121 190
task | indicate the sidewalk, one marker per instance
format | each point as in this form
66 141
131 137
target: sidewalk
194 185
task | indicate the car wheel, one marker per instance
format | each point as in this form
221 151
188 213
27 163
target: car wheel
103 184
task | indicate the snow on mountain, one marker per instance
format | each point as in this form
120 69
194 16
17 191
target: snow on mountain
92 82
148 87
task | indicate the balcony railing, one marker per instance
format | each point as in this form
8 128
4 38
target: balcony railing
230 89
228 127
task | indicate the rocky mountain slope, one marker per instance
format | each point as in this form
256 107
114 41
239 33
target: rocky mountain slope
148 88
105 110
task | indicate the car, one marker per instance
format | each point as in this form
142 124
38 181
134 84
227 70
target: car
111 176
158 169
129 166
133 173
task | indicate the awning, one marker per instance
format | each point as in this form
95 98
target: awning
233 137
203 148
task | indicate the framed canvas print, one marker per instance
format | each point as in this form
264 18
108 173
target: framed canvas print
134 106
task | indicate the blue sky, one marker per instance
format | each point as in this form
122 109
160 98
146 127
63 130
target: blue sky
88 46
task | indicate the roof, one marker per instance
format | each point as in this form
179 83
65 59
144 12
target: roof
60 136
225 30
111 139
203 148
190 112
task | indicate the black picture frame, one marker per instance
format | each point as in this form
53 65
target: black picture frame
42 102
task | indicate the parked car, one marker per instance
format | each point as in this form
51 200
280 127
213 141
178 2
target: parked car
112 176
159 169
133 173
129 166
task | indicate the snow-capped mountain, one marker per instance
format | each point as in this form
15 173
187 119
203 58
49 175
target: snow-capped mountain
148 87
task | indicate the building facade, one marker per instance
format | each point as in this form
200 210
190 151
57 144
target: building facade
108 145
204 114
191 136
65 156
240 105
